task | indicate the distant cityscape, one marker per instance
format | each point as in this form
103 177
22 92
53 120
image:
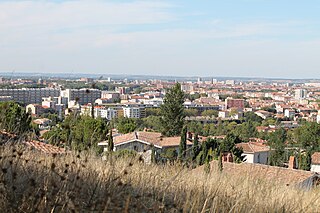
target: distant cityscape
128 97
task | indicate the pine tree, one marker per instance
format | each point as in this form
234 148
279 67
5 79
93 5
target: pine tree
195 147
183 144
204 150
172 111
110 141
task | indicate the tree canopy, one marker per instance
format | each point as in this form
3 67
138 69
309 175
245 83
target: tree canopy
14 119
172 111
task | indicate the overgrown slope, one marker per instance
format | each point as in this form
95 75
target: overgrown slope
34 182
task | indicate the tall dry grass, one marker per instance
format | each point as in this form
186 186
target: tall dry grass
35 182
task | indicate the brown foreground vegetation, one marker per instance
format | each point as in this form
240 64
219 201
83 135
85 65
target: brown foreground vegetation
34 182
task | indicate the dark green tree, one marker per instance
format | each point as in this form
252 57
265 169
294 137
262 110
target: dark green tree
110 141
169 154
276 141
202 156
14 119
172 111
79 133
126 125
183 144
304 159
195 147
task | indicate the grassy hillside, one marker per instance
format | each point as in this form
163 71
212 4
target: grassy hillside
34 182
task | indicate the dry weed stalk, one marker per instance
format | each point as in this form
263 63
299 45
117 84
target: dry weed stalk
34 182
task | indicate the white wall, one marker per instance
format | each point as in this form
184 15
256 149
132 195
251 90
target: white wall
258 157
248 158
315 168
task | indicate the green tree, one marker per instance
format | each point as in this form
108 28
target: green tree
126 125
276 141
169 154
195 127
191 112
251 116
172 111
14 119
183 144
195 147
304 160
153 112
79 133
210 113
153 122
110 141
308 135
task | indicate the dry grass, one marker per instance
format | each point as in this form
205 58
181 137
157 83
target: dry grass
34 182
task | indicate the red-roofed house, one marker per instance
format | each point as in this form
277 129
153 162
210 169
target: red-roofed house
255 152
142 142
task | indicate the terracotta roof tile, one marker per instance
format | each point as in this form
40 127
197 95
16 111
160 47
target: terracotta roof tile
252 147
46 148
149 137
263 172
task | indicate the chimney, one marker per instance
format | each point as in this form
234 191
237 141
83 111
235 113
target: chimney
229 158
292 163
224 157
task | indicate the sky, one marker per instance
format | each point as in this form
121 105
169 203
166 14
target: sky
205 38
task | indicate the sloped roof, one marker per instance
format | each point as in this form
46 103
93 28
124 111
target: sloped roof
46 148
252 147
154 138
260 171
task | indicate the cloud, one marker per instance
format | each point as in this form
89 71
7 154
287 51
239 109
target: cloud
23 21
147 37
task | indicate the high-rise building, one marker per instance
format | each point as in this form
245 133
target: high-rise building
300 94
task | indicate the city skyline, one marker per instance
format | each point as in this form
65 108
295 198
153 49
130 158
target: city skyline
245 38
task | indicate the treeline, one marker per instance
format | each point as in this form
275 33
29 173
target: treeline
15 120
78 132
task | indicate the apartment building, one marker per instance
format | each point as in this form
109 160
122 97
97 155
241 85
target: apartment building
134 112
109 113
110 95
29 95
82 96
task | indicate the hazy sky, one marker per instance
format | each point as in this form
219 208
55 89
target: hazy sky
249 38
